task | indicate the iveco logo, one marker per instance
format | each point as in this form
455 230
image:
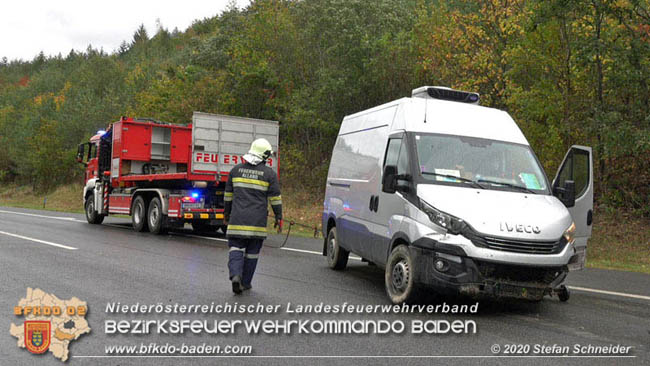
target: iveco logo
520 228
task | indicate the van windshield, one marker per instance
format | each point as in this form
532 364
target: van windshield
476 162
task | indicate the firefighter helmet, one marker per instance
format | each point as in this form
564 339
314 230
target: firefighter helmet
261 148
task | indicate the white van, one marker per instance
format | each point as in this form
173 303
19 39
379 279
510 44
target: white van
446 194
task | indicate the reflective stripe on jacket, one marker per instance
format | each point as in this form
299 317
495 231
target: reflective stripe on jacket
249 190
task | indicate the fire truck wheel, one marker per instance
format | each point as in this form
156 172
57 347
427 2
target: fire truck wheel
155 217
92 216
139 217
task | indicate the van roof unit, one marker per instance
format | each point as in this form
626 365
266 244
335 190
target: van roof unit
444 93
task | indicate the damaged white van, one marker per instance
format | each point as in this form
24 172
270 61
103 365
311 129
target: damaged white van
445 194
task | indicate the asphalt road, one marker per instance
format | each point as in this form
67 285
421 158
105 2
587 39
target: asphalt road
112 263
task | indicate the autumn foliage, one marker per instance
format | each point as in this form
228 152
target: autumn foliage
568 71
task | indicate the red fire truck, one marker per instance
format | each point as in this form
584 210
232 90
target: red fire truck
165 175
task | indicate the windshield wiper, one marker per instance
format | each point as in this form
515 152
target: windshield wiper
464 180
507 185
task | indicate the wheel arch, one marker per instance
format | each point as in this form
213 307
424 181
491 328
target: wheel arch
89 188
399 238
331 222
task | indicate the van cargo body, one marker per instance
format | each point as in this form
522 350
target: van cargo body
447 194
165 175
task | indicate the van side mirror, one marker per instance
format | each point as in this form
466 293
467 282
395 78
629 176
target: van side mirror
566 194
388 180
402 183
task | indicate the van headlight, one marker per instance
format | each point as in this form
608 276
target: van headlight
569 234
452 224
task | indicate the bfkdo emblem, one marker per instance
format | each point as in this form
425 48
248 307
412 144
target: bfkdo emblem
37 335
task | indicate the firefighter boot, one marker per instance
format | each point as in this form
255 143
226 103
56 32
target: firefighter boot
236 285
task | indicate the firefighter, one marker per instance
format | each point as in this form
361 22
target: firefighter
251 185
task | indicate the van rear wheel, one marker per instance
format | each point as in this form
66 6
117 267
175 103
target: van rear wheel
400 276
337 257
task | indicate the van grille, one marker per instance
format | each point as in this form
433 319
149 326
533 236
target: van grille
516 246
505 272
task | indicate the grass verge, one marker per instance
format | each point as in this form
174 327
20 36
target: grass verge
619 240
65 198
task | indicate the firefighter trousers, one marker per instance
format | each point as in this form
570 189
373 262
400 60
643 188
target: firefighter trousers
242 258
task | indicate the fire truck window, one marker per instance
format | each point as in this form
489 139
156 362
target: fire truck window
92 153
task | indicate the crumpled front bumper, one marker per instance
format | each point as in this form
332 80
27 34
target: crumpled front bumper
477 277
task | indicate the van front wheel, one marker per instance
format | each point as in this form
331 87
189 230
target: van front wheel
400 276
337 257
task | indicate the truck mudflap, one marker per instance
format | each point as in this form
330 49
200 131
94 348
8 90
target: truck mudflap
437 267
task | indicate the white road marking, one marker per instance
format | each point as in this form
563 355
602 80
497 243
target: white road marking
314 252
205 237
585 289
43 216
283 248
199 236
38 241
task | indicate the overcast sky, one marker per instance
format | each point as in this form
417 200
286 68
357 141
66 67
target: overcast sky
57 26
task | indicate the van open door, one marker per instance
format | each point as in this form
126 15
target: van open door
574 186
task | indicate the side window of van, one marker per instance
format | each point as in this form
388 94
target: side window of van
397 155
403 161
576 168
392 153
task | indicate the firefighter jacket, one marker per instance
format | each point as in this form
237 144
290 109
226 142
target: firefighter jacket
248 191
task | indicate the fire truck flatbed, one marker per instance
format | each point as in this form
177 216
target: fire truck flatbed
165 175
